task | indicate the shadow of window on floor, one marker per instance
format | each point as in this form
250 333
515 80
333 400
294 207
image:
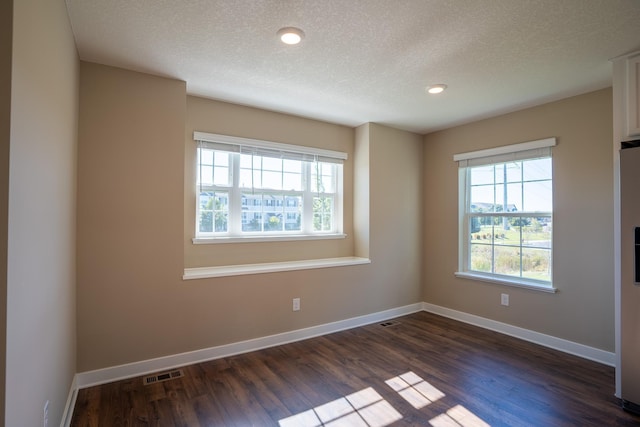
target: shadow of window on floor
414 389
364 408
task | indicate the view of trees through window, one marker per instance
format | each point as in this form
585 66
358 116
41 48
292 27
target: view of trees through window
509 214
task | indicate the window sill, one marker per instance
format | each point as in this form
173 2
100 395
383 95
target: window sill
507 282
270 267
255 239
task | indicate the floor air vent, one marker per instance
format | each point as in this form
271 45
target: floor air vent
164 376
387 324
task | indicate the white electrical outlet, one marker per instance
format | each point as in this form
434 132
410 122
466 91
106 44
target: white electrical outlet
45 414
504 299
296 304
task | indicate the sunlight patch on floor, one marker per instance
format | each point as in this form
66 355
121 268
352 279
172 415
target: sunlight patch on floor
364 408
456 417
367 408
418 392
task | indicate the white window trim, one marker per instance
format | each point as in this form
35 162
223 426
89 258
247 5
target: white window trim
506 149
236 140
507 281
280 236
499 154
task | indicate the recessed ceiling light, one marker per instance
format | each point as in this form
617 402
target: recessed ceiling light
439 88
290 35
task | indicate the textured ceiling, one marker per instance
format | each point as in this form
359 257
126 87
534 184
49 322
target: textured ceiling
367 60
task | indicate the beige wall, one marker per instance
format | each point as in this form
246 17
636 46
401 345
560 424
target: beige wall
132 302
361 189
228 119
41 344
582 311
130 173
395 203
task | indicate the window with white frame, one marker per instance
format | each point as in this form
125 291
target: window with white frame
254 188
506 214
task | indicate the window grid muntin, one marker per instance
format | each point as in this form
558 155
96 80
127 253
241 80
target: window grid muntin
498 180
266 208
521 246
216 171
217 214
235 196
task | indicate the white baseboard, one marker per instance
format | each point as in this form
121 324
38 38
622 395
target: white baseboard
116 373
566 346
130 370
71 403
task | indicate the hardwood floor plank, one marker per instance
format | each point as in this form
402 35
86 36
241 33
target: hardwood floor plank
247 369
424 368
87 407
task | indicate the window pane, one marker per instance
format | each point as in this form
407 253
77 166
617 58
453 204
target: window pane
481 257
250 178
214 212
251 221
512 170
251 171
221 158
245 180
481 175
322 213
206 175
323 177
272 180
206 156
499 192
328 184
246 161
503 233
519 224
512 231
537 169
205 222
327 168
293 210
221 176
538 196
292 176
251 212
273 221
294 166
256 180
537 232
482 198
272 164
536 264
514 197
213 168
481 228
292 181
273 206
221 215
507 260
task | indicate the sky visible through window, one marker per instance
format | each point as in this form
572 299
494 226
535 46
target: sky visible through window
522 186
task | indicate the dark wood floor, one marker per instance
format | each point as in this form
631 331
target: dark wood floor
422 370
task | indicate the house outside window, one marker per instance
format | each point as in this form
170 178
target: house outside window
253 188
506 214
